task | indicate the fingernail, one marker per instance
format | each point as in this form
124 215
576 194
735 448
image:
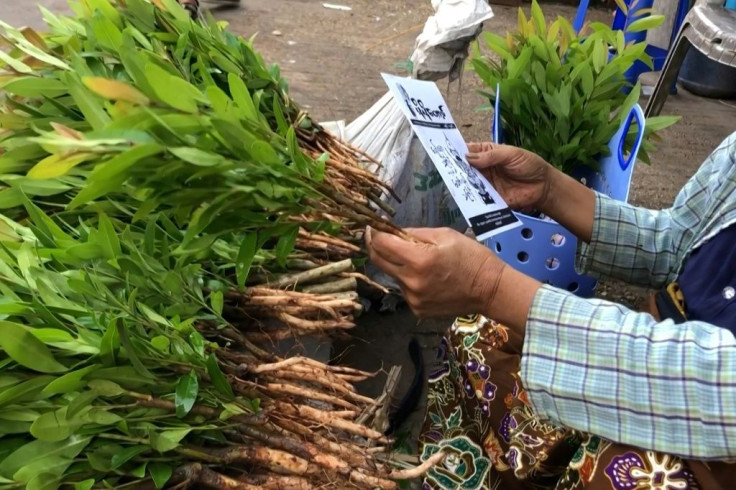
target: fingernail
472 156
368 230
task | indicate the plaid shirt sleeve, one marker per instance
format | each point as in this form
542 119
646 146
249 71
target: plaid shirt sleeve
645 247
597 367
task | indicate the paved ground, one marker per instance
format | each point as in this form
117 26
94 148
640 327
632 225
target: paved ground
333 60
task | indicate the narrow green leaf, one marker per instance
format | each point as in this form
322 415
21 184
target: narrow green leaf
25 390
197 157
109 176
46 481
91 107
218 379
110 345
126 455
107 33
130 349
70 382
166 440
35 87
153 316
241 96
171 90
27 350
54 426
106 10
106 388
538 18
160 473
217 302
659 123
85 485
186 393
13 63
109 238
197 342
646 23
125 376
161 343
246 254
36 451
285 245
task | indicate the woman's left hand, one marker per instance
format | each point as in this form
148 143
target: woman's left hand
443 273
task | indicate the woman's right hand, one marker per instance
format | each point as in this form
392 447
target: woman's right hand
521 177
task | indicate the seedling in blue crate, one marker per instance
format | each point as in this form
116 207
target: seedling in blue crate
565 92
566 98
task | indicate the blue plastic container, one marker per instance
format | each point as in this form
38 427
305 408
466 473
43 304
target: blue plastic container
544 249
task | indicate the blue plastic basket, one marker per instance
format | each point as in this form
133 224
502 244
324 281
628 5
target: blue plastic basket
546 250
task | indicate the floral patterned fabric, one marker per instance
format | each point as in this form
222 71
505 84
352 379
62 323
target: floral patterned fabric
479 416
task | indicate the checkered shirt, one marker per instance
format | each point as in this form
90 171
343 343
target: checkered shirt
601 368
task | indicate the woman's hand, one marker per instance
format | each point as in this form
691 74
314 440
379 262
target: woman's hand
521 177
443 273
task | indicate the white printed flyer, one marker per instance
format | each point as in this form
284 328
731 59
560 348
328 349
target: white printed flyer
423 104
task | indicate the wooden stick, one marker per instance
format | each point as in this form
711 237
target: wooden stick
367 280
348 284
329 239
420 470
306 276
329 420
301 391
313 325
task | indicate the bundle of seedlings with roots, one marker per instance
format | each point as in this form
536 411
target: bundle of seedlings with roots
166 212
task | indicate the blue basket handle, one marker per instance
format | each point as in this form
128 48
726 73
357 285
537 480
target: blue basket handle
638 114
496 125
619 21
580 16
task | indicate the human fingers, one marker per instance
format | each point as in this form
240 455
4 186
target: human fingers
478 147
495 155
429 236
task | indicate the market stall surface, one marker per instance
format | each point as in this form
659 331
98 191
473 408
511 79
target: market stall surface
333 60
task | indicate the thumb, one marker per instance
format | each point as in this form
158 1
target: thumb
494 155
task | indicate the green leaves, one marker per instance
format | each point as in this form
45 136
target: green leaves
645 23
186 393
35 87
173 90
160 473
219 381
246 254
27 350
168 439
58 165
217 301
35 454
122 457
198 157
241 96
148 164
55 426
115 90
93 111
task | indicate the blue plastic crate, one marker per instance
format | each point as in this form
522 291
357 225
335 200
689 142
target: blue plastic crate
546 250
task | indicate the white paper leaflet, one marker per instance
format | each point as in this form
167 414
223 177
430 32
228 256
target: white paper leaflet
424 106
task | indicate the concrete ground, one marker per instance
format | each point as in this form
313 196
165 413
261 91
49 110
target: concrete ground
333 60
